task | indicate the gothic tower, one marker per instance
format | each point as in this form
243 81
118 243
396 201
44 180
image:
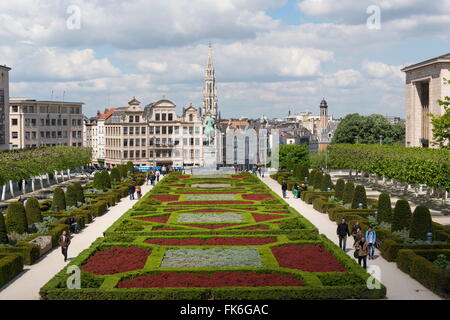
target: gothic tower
323 114
210 90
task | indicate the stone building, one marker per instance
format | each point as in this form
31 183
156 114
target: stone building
36 123
425 85
4 108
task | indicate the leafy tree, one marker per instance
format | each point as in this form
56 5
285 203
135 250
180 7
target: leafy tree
421 223
130 166
59 200
384 208
292 154
115 174
339 189
3 232
441 124
401 218
359 197
326 183
16 218
355 128
312 177
33 211
123 171
349 191
71 196
318 160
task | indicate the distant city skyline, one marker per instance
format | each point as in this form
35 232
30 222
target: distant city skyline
271 56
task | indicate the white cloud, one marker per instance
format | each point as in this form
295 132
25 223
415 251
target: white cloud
381 70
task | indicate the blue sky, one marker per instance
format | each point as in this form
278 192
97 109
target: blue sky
271 56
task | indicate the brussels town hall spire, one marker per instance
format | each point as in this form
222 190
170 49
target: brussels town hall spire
210 90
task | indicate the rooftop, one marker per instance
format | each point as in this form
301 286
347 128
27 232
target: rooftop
21 100
443 58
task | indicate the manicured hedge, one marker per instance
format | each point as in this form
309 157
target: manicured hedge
29 252
390 248
10 266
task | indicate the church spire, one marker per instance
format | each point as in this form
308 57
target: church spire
210 90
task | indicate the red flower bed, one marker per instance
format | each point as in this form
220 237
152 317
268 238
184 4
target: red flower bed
256 228
256 197
205 203
216 241
165 197
265 217
215 192
183 177
116 260
217 279
211 226
210 210
309 258
284 212
159 219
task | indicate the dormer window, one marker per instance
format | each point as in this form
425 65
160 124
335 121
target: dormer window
191 117
130 119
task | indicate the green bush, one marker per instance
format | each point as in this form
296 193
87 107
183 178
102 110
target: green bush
33 211
130 166
312 177
99 208
326 183
10 266
71 196
421 223
59 200
56 231
349 191
384 208
45 205
339 189
318 177
123 171
401 218
359 197
115 175
16 218
79 191
29 252
3 232
106 180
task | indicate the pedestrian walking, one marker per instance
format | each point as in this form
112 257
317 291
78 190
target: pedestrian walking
361 250
139 191
149 178
371 238
284 187
356 228
72 223
259 171
157 174
64 242
131 190
295 191
152 179
343 232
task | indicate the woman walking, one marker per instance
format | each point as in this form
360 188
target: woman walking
361 248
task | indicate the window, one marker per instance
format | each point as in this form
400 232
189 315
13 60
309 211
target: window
176 130
144 154
170 130
185 141
125 130
136 119
138 141
131 154
33 135
163 116
185 130
191 130
197 141
42 122
47 134
137 154
170 116
14 122
53 122
158 130
15 108
54 134
143 130
64 122
151 130
164 130
130 119
79 122
143 142
131 130
27 135
150 141
14 134
74 134
125 154
74 122
47 122
191 117
42 134
125 142
59 122
157 117
131 142
59 134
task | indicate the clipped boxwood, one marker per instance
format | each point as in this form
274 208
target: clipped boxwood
59 200
16 218
3 232
384 208
29 252
349 191
33 211
401 218
359 197
10 266
390 248
339 189
421 223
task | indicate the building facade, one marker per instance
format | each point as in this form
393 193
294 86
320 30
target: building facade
4 108
45 123
425 85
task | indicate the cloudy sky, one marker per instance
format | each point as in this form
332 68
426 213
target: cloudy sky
271 56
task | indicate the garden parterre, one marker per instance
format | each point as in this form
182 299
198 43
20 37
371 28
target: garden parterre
250 245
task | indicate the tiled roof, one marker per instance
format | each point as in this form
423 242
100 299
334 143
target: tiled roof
107 114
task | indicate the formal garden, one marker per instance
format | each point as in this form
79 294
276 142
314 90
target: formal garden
419 246
213 237
28 231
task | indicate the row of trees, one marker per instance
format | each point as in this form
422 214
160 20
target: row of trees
103 180
25 164
409 165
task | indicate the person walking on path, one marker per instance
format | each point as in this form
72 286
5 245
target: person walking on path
157 174
139 191
64 242
284 187
152 179
131 190
295 191
371 238
343 232
361 248
355 229
149 180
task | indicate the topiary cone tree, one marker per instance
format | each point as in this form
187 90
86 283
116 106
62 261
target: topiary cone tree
3 233
106 180
79 192
401 218
98 181
384 208
349 191
327 183
421 223
318 180
130 166
33 211
123 171
16 218
359 197
71 196
59 200
312 177
339 189
115 174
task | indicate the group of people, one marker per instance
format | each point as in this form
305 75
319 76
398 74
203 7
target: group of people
132 190
258 170
296 190
364 244
153 176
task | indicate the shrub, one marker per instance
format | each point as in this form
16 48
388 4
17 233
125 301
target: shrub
33 211
16 218
421 223
384 208
71 196
45 205
3 232
349 191
401 218
312 177
130 166
79 191
123 171
99 208
339 189
115 175
10 266
318 177
59 200
106 180
359 197
326 183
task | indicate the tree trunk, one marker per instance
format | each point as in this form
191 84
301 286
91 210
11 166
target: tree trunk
3 192
11 188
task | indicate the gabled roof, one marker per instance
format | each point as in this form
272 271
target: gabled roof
443 58
107 114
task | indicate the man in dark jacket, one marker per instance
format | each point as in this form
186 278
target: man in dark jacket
131 190
284 187
64 242
343 232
